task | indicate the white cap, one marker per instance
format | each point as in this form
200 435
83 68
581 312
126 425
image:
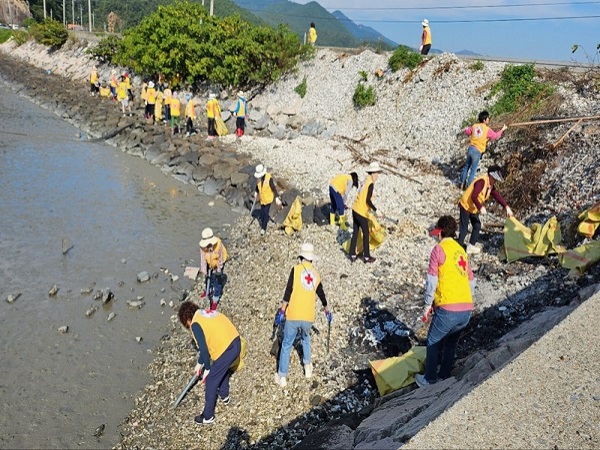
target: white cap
260 171
307 251
425 23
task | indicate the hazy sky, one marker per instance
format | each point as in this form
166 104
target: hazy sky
501 28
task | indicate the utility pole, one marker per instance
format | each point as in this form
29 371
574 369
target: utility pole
211 7
81 15
64 14
90 14
73 11
44 9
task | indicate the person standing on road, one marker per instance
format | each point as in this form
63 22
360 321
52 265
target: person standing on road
298 308
449 296
312 34
339 187
425 38
471 206
360 211
213 256
219 347
266 192
480 133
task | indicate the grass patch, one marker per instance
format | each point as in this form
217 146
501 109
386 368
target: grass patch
404 57
364 96
301 88
476 66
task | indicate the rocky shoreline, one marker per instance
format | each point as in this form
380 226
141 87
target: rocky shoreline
414 132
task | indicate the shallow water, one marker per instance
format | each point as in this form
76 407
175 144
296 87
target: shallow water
119 216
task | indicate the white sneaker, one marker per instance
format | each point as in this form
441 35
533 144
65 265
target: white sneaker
473 249
421 380
308 370
281 381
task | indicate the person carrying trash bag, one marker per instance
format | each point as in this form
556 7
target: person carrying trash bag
449 290
213 256
266 192
360 210
471 206
339 187
298 309
219 354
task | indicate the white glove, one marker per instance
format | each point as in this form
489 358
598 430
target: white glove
277 201
504 127
198 369
255 196
379 214
509 212
483 211
204 376
420 48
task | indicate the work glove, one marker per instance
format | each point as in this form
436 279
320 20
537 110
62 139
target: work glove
328 316
278 202
483 211
427 311
198 369
509 212
420 48
379 215
504 127
280 316
204 376
255 196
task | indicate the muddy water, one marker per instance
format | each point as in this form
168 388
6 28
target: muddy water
119 216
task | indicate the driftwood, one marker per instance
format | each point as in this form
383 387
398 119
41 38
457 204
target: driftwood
565 119
387 166
563 137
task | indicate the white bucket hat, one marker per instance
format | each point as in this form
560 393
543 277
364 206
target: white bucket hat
240 94
260 171
307 251
212 95
151 84
207 238
425 23
374 167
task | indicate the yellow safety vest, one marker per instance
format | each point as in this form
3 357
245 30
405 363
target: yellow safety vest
218 331
312 35
212 108
122 91
360 204
175 107
340 183
151 96
190 109
128 83
467 202
168 96
212 258
93 77
304 293
453 277
479 136
265 192
241 109
427 32
113 81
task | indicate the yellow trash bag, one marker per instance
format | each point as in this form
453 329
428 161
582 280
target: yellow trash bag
221 127
376 236
590 219
521 241
104 92
394 373
581 258
239 362
293 221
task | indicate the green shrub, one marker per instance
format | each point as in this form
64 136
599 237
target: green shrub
184 43
301 88
20 36
4 35
477 65
364 96
363 76
518 87
106 49
404 57
29 22
49 32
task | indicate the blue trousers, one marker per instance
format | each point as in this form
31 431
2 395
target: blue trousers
290 331
264 215
218 378
337 202
443 336
472 163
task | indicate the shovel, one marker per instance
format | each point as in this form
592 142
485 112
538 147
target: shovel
187 389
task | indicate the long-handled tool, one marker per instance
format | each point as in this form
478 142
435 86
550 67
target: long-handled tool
187 389
208 278
251 211
328 335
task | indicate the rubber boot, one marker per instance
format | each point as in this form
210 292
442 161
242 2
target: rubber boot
331 218
343 225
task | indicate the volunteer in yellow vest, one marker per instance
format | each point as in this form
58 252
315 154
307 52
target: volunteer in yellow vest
471 206
190 115
339 187
167 95
425 38
240 114
94 82
175 113
219 346
123 97
213 256
298 308
150 101
449 296
480 134
158 106
212 110
266 192
128 82
114 82
312 34
360 212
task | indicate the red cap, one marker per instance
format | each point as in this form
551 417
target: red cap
435 231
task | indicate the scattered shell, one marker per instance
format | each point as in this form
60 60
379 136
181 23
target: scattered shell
53 290
100 430
111 316
139 339
13 297
163 302
91 310
107 296
135 303
143 277
63 329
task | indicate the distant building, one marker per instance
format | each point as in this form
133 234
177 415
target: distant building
75 27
